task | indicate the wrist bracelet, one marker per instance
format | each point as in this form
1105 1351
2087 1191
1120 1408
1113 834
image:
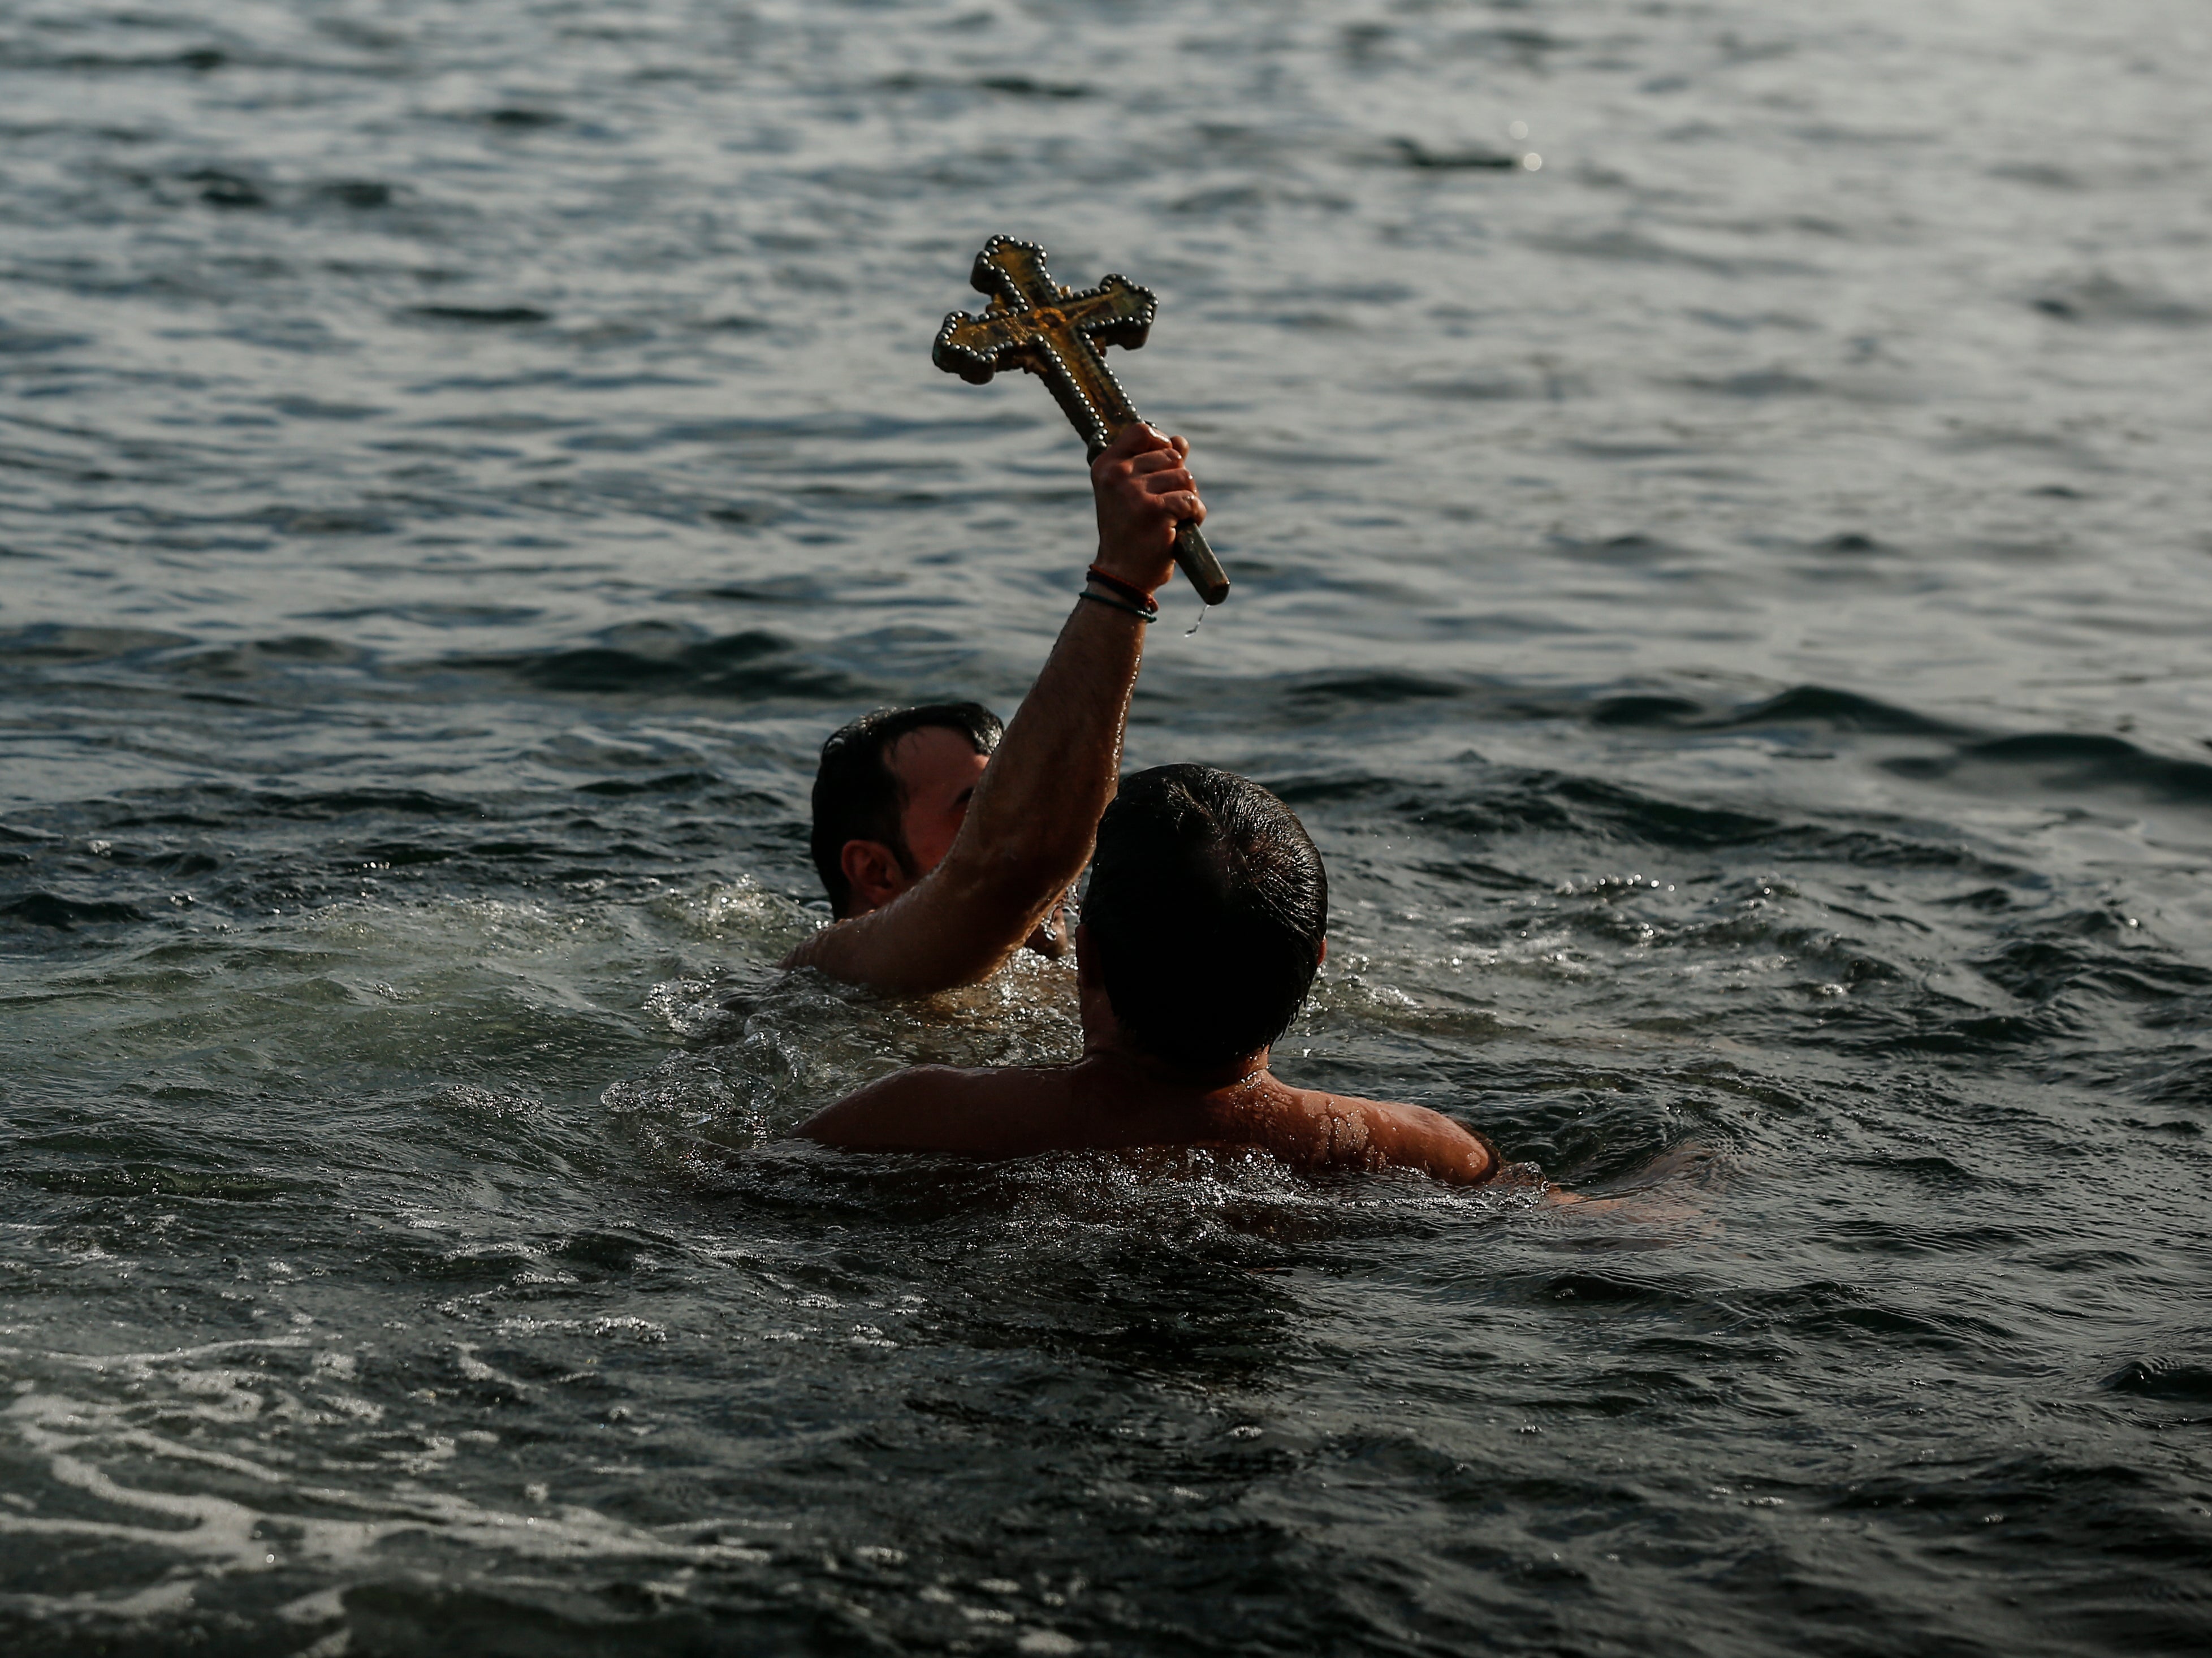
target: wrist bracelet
1128 589
1114 603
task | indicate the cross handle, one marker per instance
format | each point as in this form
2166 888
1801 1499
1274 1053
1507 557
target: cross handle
1060 335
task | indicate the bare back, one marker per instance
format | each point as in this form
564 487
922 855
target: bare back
1110 1102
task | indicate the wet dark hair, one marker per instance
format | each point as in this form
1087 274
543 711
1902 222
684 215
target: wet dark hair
856 797
1206 910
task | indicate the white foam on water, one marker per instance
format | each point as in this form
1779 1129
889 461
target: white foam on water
197 1537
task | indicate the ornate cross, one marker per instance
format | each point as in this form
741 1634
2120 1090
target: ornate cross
1060 336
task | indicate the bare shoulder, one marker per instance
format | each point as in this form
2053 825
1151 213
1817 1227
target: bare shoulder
918 1085
935 1108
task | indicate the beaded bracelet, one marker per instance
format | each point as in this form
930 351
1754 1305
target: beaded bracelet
1128 589
1114 603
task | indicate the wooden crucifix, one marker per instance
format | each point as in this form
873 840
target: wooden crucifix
1060 336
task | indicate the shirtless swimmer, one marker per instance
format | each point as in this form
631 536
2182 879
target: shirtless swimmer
1202 933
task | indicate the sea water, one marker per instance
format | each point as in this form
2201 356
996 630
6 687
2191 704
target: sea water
1717 498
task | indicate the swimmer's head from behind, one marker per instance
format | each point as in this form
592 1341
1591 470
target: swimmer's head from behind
890 794
1207 914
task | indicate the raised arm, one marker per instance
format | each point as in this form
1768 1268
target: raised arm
1028 829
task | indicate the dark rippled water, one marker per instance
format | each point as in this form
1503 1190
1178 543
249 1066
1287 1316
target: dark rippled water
1729 601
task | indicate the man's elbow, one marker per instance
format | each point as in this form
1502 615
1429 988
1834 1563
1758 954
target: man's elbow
1440 1148
906 959
968 962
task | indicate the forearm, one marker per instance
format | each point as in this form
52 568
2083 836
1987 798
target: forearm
1027 835
926 1109
1036 810
1031 822
1414 1137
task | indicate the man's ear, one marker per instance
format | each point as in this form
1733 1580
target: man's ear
874 873
1323 956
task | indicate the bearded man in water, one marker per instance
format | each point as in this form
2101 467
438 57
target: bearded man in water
1202 933
944 846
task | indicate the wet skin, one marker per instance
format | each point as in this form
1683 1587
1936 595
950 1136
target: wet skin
1119 1097
937 770
1020 828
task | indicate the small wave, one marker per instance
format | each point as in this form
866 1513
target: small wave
2173 1380
754 664
150 1180
1411 153
1837 710
1632 549
1633 247
493 315
321 806
1757 384
264 657
2102 299
1819 706
1306 694
1643 708
54 642
2065 762
52 909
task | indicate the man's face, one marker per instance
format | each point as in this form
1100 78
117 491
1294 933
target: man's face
938 770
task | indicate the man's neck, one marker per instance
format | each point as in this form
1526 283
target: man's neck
1109 1050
